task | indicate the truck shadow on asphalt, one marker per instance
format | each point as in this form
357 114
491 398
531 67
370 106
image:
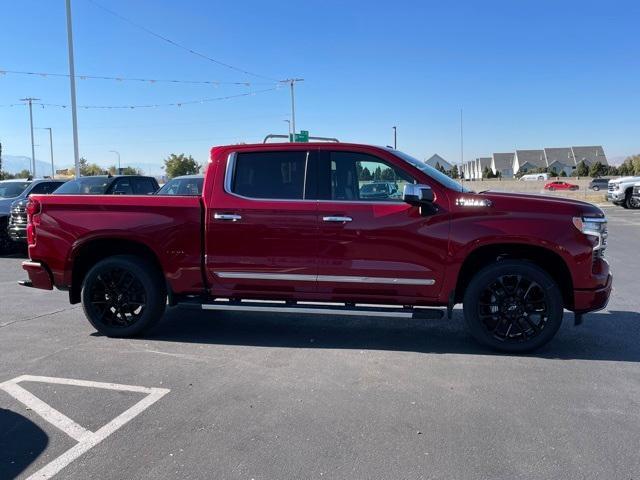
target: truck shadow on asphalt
613 335
21 442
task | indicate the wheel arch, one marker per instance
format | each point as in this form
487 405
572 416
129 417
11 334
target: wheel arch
544 258
91 252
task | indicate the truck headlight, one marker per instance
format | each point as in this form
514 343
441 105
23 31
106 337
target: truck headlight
595 227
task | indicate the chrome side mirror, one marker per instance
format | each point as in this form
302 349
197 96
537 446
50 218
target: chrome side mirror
417 195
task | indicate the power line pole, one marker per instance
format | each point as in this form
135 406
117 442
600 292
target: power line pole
395 138
72 81
292 83
30 101
118 154
461 142
53 171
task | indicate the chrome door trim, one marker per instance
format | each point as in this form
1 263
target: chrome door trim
319 311
336 218
327 278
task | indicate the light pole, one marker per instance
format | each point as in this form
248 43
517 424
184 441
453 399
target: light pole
30 101
117 153
72 82
53 171
290 136
395 138
292 82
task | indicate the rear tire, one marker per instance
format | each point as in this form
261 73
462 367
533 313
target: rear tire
123 296
513 306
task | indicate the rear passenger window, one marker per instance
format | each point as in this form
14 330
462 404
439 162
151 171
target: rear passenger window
277 175
143 186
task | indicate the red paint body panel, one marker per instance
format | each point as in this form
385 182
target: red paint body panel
283 237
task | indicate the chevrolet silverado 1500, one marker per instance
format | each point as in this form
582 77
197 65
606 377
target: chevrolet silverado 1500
291 228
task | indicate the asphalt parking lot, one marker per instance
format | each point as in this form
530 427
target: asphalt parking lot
240 396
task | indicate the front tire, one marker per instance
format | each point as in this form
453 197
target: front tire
513 306
630 202
123 296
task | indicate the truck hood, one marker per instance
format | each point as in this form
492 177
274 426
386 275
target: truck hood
625 180
540 203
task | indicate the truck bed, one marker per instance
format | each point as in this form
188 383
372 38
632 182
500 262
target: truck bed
167 227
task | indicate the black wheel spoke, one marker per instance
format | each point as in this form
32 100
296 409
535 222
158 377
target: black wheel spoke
513 308
118 297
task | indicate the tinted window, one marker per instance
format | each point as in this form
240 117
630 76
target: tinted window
360 177
278 175
45 187
437 175
122 187
143 186
85 186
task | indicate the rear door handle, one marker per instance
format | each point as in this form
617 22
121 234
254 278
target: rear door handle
336 218
231 217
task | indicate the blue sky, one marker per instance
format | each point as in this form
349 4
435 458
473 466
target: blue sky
528 74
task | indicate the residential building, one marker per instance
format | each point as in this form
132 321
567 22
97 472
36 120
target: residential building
527 160
481 164
589 155
436 161
502 164
560 160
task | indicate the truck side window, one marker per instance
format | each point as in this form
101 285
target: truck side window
361 177
122 187
276 175
143 186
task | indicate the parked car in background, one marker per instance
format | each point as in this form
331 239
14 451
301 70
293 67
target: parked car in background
636 193
184 185
110 185
379 191
12 191
598 184
620 192
560 185
530 177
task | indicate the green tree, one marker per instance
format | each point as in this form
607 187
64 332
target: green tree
366 174
177 165
113 170
455 173
597 170
388 175
90 169
563 173
377 174
581 170
487 173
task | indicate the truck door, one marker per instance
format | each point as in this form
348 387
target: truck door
372 245
262 226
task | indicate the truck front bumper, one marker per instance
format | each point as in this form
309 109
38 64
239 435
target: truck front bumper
592 300
39 276
615 196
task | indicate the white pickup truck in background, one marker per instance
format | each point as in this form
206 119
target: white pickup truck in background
621 192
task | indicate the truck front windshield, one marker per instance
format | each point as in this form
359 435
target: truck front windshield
12 189
437 175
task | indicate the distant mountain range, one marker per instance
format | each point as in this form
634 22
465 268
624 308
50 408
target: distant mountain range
14 164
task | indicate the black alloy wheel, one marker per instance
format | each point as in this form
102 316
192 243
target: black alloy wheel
513 306
123 296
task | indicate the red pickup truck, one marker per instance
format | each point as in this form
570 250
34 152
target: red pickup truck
294 228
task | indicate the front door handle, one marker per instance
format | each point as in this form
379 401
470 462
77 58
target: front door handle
336 218
231 217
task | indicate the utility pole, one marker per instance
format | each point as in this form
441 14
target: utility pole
53 171
290 137
461 142
395 138
72 81
30 100
117 153
292 83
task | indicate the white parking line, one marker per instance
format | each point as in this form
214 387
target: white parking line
86 438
